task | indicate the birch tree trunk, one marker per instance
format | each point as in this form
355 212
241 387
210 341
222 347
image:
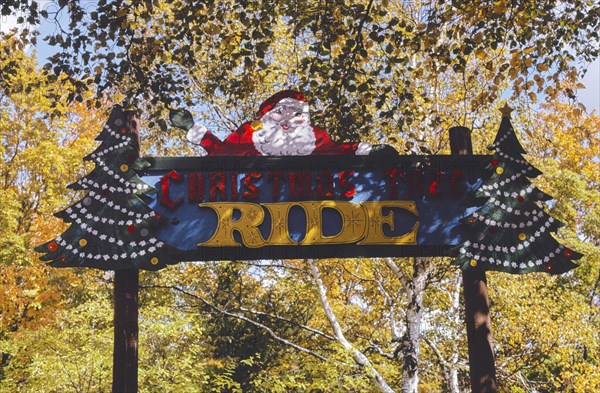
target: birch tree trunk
359 357
452 371
411 340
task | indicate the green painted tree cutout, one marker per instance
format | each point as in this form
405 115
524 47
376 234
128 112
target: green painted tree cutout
111 227
511 232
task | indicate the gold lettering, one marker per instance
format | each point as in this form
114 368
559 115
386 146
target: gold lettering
361 224
280 235
353 222
374 225
252 215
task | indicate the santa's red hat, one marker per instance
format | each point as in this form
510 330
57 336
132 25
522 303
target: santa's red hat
270 102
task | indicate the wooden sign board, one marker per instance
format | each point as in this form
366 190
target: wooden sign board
243 208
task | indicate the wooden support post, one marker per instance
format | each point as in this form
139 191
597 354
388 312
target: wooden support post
125 353
125 350
482 367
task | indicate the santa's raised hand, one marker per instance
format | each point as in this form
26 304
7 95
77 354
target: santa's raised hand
183 119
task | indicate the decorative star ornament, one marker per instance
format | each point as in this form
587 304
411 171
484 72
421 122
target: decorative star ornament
506 110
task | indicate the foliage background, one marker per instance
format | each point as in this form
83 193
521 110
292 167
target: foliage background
391 72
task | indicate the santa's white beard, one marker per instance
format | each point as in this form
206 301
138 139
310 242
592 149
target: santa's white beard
271 140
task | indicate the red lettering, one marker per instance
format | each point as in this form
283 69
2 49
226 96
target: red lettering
434 189
292 178
252 192
455 179
300 185
217 185
192 187
165 198
415 183
196 187
393 180
346 185
324 185
234 186
434 185
200 188
274 177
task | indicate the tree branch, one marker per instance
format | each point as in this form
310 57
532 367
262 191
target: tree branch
376 348
241 317
392 314
396 270
281 265
305 327
443 361
356 46
358 356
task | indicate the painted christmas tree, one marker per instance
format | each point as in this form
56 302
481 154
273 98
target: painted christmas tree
511 232
111 227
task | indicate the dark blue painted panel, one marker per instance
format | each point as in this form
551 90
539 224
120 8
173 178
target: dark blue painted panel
440 186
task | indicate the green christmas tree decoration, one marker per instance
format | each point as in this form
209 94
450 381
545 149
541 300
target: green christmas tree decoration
511 232
111 227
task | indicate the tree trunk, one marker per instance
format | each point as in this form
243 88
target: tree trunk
411 341
125 350
125 354
482 367
452 372
452 380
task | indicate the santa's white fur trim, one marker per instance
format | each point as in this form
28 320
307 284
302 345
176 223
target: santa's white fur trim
196 133
292 102
363 149
271 140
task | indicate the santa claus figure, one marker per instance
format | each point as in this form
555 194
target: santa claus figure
282 128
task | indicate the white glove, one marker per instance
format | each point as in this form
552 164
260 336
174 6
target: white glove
196 133
363 149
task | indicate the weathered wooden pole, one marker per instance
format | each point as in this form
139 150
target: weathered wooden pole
482 367
125 350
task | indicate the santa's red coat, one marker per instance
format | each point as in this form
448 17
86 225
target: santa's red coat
239 143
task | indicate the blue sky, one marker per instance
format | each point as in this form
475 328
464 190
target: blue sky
589 96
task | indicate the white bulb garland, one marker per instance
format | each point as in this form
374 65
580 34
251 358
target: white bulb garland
115 257
116 207
513 159
507 263
506 181
537 216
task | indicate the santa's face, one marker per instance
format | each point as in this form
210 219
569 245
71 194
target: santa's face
286 130
288 114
